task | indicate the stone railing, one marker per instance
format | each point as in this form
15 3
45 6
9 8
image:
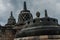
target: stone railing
43 37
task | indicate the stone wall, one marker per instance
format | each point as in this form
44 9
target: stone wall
43 37
6 35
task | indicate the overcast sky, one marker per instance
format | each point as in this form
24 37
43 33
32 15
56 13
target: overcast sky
6 6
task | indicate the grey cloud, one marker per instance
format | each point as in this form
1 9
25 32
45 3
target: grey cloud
33 5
